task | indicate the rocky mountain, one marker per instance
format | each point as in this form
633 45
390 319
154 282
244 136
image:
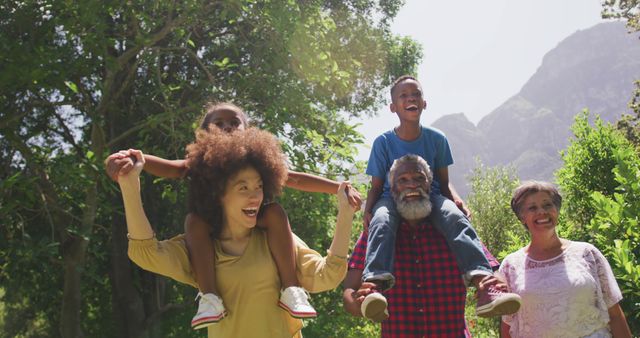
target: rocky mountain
592 69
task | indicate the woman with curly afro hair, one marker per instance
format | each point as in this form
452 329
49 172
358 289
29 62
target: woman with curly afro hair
231 176
227 117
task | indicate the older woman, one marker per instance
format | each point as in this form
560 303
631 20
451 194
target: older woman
567 287
231 177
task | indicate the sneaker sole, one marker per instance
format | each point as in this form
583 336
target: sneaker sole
298 315
375 309
206 321
507 306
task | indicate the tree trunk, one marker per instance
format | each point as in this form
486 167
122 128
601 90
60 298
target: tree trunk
73 262
75 250
128 307
73 247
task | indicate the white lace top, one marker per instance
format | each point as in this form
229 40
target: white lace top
565 296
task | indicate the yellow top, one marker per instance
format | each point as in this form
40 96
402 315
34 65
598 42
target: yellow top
249 284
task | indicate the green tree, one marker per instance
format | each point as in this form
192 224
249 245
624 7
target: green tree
497 226
490 204
588 163
599 181
623 9
617 215
629 124
616 226
82 79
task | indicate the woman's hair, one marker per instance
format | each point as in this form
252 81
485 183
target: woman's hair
211 107
531 187
216 156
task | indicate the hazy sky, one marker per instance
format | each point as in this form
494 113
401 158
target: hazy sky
477 54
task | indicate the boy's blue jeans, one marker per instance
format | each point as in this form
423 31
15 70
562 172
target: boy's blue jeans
445 216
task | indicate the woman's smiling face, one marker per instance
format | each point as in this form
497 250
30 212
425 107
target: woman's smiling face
242 198
538 212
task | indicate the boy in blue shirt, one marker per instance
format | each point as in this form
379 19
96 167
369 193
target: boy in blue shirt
381 217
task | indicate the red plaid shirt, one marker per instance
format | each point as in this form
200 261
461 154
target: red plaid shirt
428 297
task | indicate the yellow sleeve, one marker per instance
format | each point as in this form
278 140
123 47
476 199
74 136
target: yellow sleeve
168 258
317 273
171 259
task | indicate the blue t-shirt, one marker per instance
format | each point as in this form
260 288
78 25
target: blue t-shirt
432 145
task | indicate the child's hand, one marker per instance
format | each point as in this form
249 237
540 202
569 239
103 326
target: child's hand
366 219
354 197
137 163
463 207
119 163
344 202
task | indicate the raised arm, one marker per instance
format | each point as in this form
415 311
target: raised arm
312 183
160 167
138 224
122 162
317 273
168 258
344 223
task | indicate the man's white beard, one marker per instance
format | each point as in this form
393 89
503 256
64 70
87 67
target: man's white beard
413 210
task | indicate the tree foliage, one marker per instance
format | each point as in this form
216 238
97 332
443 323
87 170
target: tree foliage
490 203
616 218
79 80
616 228
629 124
623 9
497 227
588 163
599 182
629 10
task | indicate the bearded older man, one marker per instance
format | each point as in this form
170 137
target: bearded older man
429 295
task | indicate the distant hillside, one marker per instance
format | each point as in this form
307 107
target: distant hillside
593 68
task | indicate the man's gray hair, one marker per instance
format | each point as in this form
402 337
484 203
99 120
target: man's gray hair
410 158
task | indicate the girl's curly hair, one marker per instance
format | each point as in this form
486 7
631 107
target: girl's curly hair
216 156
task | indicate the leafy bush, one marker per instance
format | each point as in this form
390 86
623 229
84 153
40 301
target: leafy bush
601 190
617 231
588 163
489 201
497 226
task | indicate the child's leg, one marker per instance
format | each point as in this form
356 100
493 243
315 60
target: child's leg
472 261
202 258
381 242
461 237
293 299
279 236
201 252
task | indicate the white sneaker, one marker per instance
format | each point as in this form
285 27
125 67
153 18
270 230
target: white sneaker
374 307
295 300
210 311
